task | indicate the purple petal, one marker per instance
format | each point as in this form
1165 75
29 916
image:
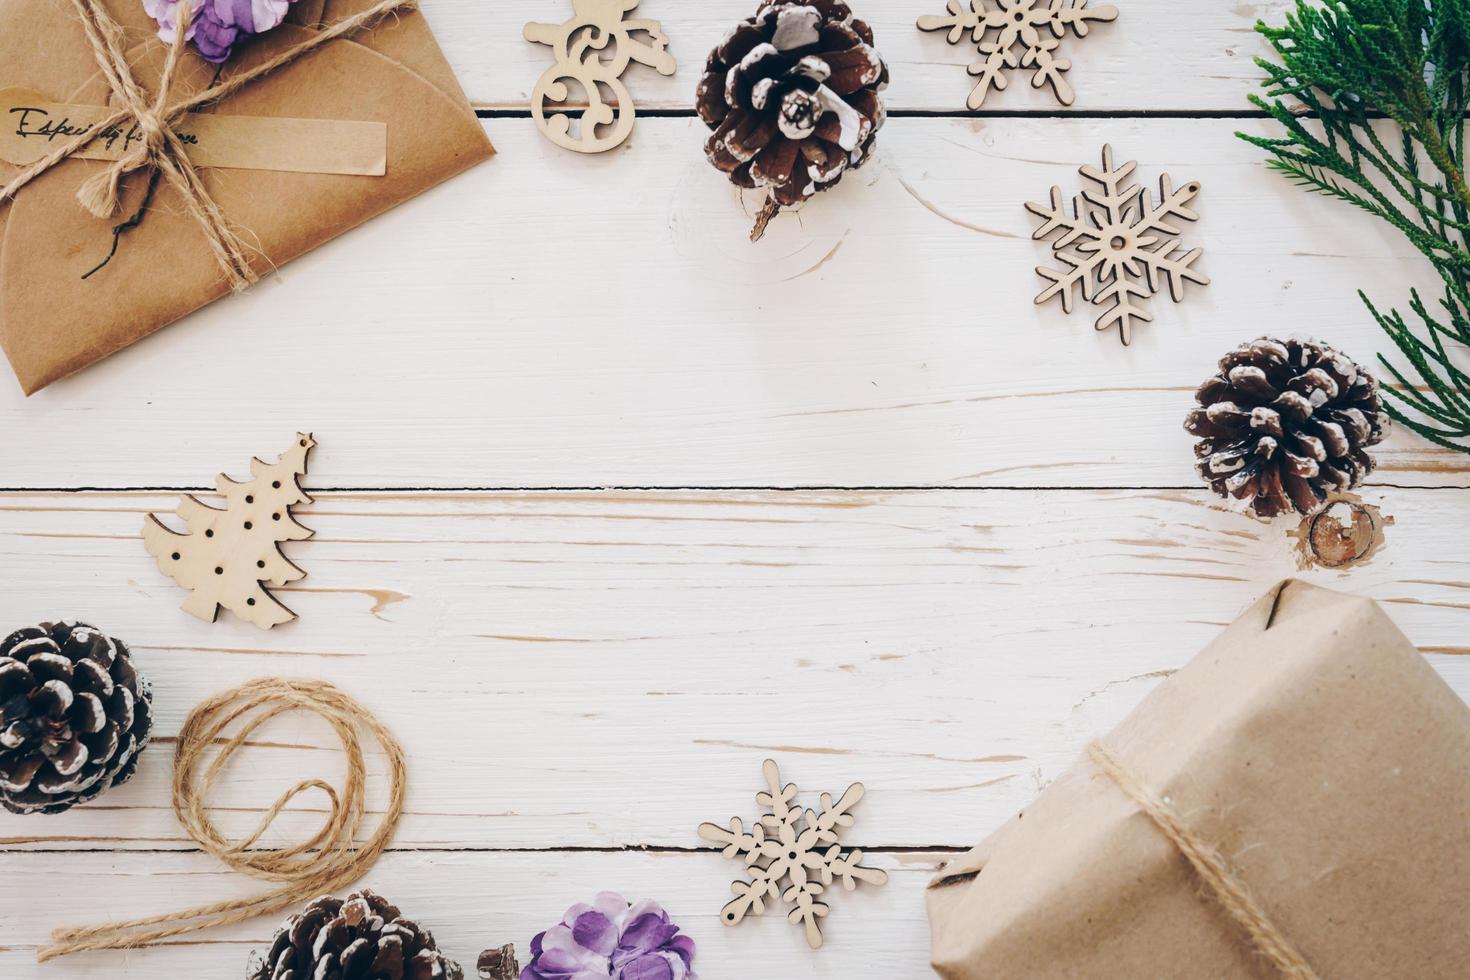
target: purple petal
656 966
596 932
251 16
569 919
644 907
647 933
235 13
683 947
560 963
559 946
612 905
213 38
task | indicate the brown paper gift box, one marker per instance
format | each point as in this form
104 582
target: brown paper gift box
53 323
1315 748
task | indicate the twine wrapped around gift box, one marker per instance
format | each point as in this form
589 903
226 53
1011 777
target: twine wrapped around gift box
160 147
1292 802
327 121
1233 894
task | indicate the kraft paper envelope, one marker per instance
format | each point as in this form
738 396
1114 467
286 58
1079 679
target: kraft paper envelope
1316 749
53 322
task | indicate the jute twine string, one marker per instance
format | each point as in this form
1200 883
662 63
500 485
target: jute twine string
160 147
326 862
1228 888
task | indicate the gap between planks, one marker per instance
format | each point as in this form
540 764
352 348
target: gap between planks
553 849
699 488
516 112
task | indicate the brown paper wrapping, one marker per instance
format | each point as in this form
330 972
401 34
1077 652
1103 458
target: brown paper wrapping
52 322
1313 746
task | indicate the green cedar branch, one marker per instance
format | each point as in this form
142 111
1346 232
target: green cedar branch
1345 72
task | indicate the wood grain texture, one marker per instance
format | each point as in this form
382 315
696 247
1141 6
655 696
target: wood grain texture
1203 51
471 901
555 661
448 343
556 664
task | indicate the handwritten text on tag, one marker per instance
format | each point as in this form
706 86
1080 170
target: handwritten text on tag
32 126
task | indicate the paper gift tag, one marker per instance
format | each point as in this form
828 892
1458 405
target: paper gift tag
32 125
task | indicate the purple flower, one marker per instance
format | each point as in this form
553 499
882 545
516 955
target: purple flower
611 938
215 26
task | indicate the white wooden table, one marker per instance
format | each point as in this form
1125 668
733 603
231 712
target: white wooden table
611 506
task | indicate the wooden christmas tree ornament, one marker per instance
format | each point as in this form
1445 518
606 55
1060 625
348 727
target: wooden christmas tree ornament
1117 245
1017 34
781 849
227 556
596 27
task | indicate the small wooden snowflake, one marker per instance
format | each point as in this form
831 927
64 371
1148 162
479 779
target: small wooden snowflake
1017 34
786 849
1117 244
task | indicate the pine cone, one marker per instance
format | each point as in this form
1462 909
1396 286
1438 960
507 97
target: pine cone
361 937
1284 423
74 715
499 964
792 97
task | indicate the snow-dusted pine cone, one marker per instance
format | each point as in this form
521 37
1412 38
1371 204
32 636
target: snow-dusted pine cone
1286 422
74 715
360 937
792 97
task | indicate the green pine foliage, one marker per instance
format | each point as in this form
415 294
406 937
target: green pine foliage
1373 96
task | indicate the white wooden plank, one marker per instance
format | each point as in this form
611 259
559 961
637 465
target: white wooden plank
551 321
609 669
1159 54
470 901
556 662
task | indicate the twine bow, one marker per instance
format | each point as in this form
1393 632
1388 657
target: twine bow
1228 888
159 147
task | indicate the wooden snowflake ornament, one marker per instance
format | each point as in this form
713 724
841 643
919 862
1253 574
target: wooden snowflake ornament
227 556
1017 34
786 850
1117 244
